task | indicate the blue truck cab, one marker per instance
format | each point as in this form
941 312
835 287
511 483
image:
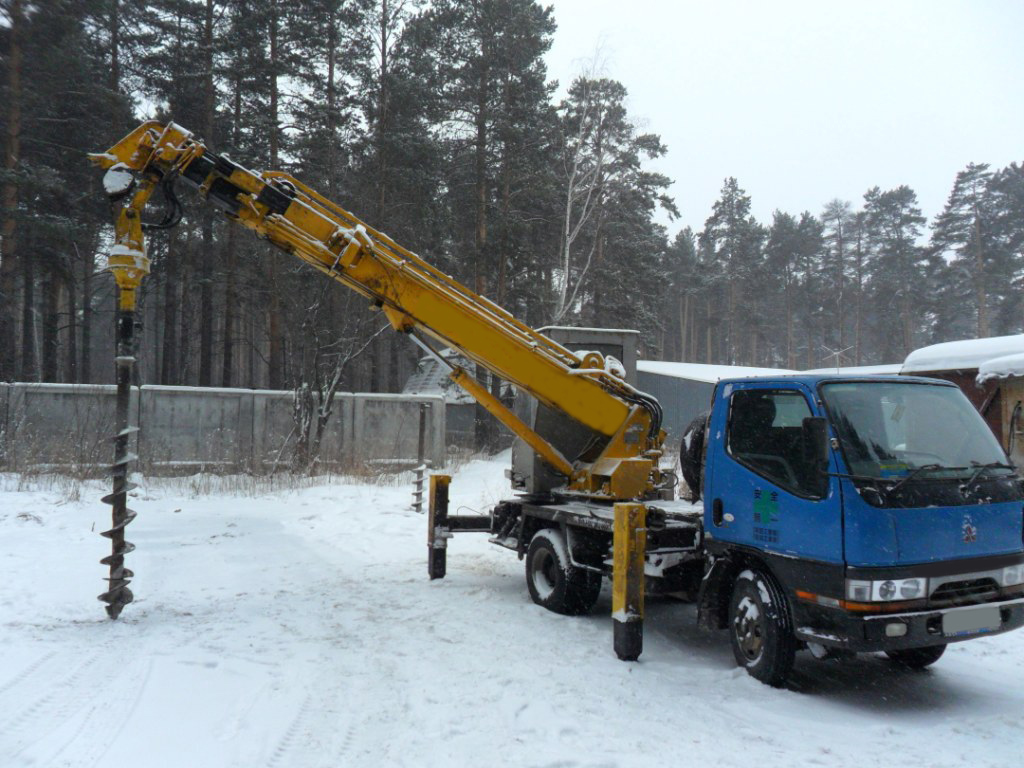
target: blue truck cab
854 515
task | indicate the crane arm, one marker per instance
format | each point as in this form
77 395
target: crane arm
416 297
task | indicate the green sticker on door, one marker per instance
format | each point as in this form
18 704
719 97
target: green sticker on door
766 507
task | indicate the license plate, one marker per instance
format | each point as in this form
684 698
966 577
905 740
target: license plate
982 619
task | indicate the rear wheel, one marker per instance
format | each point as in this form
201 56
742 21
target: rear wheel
760 629
553 580
917 658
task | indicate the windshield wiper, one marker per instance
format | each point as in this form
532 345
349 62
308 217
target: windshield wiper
919 470
866 478
980 468
891 485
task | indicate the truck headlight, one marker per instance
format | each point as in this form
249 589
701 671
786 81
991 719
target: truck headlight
1013 575
911 588
858 590
886 590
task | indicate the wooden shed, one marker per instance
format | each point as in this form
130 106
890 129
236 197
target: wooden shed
959 362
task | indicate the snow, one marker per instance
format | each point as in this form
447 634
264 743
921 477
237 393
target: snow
707 373
1001 368
611 364
961 355
748 608
117 179
122 252
614 366
577 329
294 625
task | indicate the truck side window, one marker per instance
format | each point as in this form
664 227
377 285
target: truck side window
765 434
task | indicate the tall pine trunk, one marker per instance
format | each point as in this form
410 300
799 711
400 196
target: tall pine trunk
858 299
51 322
383 98
707 332
88 265
272 273
70 294
227 373
482 423
206 258
684 313
28 321
790 351
9 200
981 295
169 361
841 280
227 377
480 185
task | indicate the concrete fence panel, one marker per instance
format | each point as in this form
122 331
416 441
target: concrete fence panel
185 426
338 448
70 426
273 430
63 425
386 428
4 401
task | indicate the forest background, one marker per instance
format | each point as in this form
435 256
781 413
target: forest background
439 125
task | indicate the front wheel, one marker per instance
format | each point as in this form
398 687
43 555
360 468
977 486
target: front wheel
917 658
554 582
760 629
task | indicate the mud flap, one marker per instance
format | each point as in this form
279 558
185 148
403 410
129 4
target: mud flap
713 597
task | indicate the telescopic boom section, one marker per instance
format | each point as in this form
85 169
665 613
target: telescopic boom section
416 297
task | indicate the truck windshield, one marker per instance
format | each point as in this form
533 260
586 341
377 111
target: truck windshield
890 429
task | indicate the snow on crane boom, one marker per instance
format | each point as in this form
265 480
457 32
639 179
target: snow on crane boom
620 464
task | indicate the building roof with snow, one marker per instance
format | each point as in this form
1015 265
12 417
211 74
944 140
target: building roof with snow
706 373
965 355
1001 367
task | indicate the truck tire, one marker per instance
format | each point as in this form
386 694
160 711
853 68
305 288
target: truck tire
760 628
691 454
917 658
554 582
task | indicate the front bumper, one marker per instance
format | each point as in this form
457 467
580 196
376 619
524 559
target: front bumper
865 634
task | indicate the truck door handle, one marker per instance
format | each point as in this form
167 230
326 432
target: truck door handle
717 512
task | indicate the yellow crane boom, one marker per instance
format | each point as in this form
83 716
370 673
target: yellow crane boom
416 297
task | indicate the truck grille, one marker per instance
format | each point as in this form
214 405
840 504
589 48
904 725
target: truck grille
970 591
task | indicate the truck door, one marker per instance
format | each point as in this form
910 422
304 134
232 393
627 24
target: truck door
764 490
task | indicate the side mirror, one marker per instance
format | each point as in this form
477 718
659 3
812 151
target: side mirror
816 449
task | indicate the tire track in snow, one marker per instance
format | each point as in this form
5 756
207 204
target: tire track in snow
61 697
103 721
288 741
25 673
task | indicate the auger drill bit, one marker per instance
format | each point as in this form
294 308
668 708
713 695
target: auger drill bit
118 595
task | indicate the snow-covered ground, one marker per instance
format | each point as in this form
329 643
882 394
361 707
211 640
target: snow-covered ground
298 628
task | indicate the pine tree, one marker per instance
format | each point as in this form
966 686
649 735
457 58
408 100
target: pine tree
685 285
1006 189
812 272
964 236
895 265
783 249
14 16
731 244
836 221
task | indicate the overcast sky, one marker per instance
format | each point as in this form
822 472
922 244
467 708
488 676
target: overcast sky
806 101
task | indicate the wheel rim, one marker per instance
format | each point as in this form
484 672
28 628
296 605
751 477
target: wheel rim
544 572
749 628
